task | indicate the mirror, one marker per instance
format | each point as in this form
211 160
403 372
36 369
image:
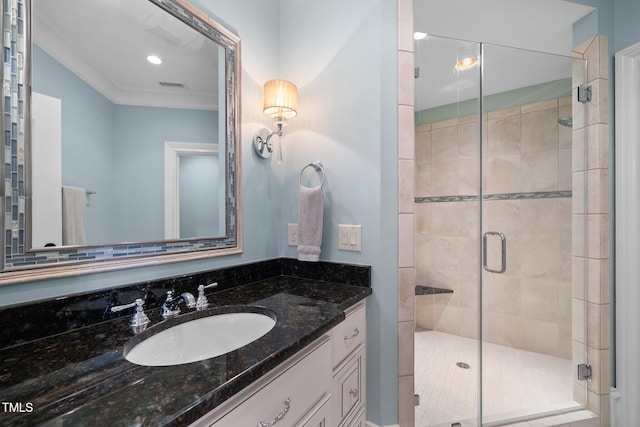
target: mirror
88 116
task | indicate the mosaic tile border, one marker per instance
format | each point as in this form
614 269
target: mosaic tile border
504 196
14 157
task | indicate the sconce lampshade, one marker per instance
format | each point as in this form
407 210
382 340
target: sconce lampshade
280 99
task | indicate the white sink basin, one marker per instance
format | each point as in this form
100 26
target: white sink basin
200 338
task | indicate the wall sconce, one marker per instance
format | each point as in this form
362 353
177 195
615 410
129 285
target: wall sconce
280 101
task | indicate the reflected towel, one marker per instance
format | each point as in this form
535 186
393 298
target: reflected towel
310 212
74 202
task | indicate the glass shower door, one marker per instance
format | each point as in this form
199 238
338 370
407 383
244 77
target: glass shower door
529 336
500 325
447 305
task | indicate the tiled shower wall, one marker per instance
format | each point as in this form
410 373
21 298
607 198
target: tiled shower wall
527 180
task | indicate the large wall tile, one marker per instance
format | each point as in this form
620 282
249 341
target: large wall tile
540 131
502 295
502 174
539 171
444 144
540 337
540 300
444 178
503 330
504 135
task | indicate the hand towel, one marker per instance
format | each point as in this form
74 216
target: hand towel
74 202
310 212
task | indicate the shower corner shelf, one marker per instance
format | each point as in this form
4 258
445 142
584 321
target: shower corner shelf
430 290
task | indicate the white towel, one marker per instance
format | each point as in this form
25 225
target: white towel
74 202
310 212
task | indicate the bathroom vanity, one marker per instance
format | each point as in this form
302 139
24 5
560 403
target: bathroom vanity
322 385
308 370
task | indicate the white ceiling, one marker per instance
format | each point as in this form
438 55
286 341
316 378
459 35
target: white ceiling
528 25
106 44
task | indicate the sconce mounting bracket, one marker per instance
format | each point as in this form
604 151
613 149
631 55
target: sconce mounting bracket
262 143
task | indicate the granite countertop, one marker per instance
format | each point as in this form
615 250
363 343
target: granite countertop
80 378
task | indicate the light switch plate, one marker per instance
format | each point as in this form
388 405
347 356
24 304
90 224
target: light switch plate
350 237
292 234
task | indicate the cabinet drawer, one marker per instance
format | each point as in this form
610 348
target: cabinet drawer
289 397
348 335
348 388
351 389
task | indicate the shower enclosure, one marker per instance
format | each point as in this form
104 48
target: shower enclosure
498 313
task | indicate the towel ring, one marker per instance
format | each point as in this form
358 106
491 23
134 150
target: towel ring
318 167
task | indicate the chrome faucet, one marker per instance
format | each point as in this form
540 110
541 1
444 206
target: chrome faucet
171 305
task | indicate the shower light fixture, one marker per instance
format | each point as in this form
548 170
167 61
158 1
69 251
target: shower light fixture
419 36
280 102
466 63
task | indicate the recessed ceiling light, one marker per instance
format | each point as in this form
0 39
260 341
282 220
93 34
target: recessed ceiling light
419 36
155 60
466 63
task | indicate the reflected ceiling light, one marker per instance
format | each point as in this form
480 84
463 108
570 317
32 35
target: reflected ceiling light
154 59
419 36
280 102
467 63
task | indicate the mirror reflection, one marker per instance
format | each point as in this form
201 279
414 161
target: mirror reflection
112 84
101 118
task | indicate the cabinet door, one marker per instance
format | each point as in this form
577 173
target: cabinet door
349 388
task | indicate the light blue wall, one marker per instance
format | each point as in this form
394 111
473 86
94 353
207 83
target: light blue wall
627 23
139 168
617 19
344 64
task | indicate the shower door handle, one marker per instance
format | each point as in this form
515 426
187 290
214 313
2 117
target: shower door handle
503 241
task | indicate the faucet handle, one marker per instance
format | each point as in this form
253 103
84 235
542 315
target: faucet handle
118 308
139 319
202 301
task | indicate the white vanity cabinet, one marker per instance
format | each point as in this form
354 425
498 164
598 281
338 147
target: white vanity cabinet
296 393
321 386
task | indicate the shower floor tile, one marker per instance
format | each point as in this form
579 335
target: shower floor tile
517 383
